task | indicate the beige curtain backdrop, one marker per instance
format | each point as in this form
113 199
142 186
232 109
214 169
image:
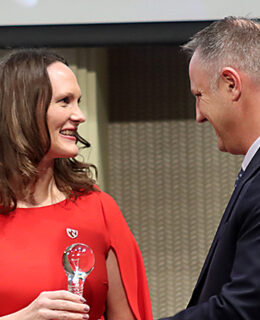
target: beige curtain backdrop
163 168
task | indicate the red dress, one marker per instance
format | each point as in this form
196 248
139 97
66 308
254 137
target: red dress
33 240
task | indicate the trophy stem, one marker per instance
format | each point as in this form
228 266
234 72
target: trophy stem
76 283
76 288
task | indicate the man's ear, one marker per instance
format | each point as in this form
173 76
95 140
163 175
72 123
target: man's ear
232 80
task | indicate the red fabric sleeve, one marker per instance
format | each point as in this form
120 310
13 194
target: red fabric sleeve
129 259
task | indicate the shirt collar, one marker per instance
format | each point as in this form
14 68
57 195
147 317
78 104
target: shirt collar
250 153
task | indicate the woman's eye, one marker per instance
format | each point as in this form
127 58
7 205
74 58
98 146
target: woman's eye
65 100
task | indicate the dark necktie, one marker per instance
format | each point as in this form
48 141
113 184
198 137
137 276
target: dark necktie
239 176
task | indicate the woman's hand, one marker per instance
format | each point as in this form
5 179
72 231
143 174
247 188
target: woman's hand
51 305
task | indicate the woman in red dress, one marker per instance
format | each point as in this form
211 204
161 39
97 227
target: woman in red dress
49 201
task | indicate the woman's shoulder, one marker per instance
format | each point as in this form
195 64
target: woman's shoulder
103 199
99 194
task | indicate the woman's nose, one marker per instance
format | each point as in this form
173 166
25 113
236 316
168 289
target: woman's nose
77 115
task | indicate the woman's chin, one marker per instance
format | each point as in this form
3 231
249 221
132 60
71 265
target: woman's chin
63 154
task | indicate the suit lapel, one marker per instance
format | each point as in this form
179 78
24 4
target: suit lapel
252 168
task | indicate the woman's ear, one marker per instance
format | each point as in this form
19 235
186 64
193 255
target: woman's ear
232 80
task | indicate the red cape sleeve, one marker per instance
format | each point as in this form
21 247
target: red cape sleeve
129 259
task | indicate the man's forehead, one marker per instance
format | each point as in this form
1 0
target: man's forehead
194 65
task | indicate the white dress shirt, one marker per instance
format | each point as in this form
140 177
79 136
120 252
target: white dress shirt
250 153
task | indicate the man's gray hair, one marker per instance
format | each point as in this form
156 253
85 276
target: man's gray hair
230 42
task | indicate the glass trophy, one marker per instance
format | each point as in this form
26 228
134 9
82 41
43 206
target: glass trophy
78 261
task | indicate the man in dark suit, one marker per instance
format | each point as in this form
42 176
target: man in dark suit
225 79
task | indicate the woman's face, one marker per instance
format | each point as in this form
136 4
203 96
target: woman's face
64 114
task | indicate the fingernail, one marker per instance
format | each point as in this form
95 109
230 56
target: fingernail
85 316
82 299
86 308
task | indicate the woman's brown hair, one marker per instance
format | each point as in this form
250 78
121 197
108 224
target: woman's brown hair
25 95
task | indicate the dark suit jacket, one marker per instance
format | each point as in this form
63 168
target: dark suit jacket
228 287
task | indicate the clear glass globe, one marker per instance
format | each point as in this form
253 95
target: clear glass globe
78 261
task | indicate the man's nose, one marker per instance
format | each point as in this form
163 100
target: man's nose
199 115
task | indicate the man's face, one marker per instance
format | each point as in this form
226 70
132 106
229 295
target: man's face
212 104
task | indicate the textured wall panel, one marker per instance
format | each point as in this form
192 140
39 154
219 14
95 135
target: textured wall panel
165 170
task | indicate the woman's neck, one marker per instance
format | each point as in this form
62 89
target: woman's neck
45 190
